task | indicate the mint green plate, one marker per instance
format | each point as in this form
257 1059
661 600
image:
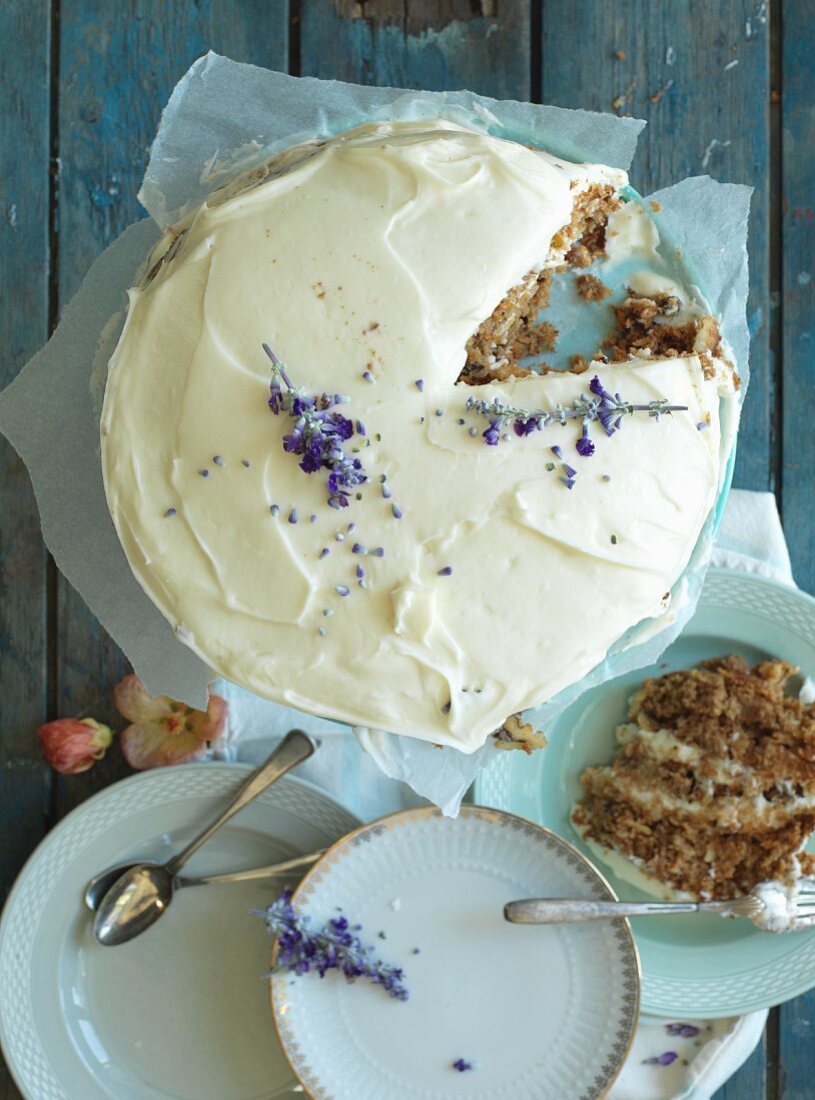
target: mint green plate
692 965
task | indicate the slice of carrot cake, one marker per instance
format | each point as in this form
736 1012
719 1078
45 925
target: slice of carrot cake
712 789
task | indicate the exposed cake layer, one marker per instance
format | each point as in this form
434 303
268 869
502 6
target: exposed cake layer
512 332
713 787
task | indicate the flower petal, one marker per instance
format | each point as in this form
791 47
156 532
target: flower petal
217 713
149 745
135 704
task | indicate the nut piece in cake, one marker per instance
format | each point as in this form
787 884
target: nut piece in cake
517 734
712 790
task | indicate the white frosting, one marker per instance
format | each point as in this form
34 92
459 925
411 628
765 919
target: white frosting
779 905
384 250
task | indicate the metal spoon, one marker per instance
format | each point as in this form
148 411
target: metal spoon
101 883
142 893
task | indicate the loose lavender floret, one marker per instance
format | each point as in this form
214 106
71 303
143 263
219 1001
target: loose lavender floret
245 462
204 473
217 460
597 406
397 511
360 572
377 552
446 571
462 1065
324 552
703 426
293 516
419 384
366 374
170 512
666 1059
318 433
685 1031
342 590
302 949
274 509
358 548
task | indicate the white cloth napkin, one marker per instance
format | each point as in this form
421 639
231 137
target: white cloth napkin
750 538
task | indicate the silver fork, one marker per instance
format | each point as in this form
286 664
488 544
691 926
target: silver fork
755 906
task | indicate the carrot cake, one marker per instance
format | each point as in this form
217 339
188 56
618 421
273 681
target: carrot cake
712 790
331 471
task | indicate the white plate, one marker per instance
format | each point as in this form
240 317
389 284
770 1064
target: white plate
182 1012
542 1013
693 966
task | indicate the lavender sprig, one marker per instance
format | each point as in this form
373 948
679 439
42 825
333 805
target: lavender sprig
335 946
318 433
598 406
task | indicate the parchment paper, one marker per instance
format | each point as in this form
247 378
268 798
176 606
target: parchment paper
223 117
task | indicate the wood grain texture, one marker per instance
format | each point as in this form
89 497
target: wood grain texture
797 1018
488 54
798 288
117 67
704 117
24 246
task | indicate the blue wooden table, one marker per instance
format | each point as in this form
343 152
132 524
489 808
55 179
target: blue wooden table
726 86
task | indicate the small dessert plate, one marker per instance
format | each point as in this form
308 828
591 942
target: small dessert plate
182 1011
530 1013
697 966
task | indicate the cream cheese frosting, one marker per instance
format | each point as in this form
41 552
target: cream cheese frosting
366 264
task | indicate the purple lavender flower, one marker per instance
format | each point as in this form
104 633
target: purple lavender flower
317 433
462 1065
493 433
598 405
666 1059
685 1031
335 946
526 427
584 446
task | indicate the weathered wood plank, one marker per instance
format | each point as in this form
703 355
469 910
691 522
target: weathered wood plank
24 244
698 71
431 46
798 289
118 64
750 1082
796 1059
798 386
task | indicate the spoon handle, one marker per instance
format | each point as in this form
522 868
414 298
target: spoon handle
295 747
564 910
256 872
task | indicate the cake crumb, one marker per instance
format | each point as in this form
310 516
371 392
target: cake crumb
592 289
516 734
656 206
